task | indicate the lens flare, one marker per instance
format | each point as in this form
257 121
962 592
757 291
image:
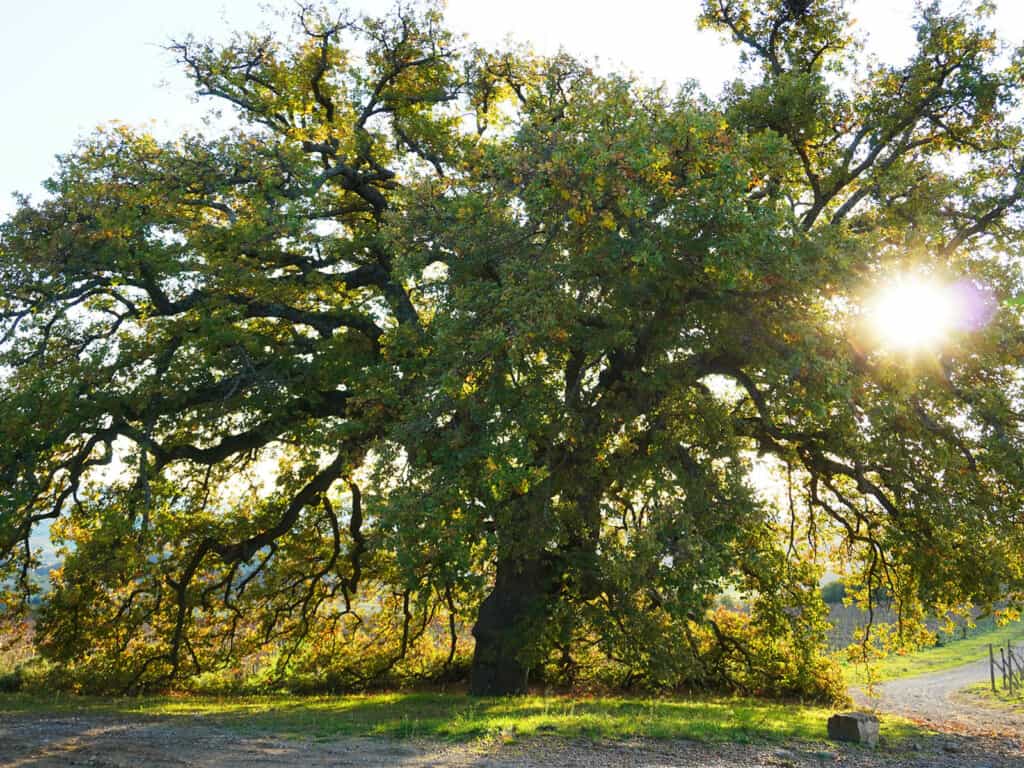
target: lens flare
913 313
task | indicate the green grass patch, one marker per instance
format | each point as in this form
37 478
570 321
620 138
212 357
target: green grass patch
953 653
461 718
1001 699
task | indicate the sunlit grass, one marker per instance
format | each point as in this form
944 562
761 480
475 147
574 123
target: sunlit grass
953 654
462 718
981 693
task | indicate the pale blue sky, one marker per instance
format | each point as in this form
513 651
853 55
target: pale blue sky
70 65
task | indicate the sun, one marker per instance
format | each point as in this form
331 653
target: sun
913 313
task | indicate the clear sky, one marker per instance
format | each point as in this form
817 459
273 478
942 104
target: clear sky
70 65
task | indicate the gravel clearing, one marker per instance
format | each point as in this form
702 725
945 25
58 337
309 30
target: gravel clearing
40 741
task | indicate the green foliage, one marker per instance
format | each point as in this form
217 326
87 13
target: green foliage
439 338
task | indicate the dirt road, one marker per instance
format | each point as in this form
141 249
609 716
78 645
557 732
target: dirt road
937 699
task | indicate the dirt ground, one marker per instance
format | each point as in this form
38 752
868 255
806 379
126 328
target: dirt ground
34 741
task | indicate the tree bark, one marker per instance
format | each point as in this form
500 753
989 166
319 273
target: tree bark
509 620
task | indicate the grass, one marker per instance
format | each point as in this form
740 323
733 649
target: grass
461 718
1001 699
953 654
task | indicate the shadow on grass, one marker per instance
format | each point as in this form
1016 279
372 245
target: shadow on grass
461 718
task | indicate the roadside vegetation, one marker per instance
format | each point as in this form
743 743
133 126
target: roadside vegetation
458 717
981 693
951 653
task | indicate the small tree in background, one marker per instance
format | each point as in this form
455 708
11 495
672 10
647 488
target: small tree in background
833 592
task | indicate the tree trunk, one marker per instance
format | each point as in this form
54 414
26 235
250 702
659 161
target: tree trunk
510 618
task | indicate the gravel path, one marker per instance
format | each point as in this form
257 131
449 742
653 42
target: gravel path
936 699
42 741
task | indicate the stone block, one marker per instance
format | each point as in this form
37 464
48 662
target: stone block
856 727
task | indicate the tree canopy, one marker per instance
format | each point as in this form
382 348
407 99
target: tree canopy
438 337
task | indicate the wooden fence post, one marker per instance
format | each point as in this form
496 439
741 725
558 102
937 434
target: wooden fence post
992 667
1009 655
1002 665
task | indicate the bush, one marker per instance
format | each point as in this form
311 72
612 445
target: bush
11 682
833 592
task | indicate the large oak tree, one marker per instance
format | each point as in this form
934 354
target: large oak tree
436 336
